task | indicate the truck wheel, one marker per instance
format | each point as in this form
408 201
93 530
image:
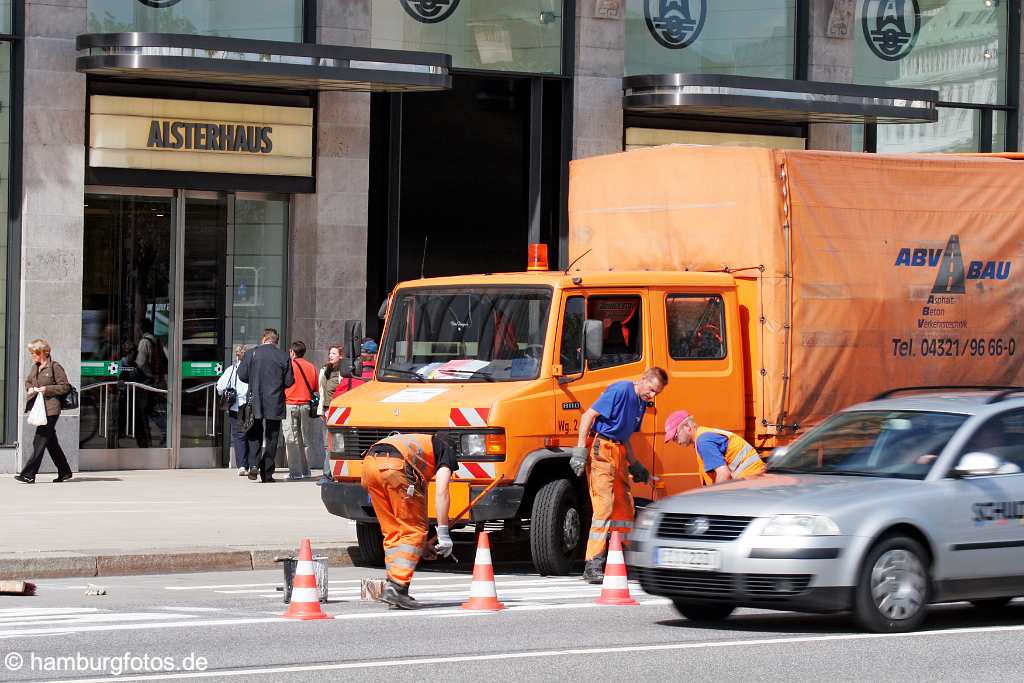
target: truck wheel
556 528
698 612
893 590
371 544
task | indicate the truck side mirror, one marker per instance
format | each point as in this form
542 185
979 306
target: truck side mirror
353 340
383 310
593 339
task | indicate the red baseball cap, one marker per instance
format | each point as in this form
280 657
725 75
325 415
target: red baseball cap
673 422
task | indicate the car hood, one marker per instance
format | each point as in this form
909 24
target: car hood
787 493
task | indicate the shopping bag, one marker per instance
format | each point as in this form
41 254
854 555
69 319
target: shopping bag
37 416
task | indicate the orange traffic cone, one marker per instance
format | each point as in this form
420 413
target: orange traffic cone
482 593
305 602
615 587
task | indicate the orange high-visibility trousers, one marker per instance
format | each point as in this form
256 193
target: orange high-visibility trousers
610 497
403 518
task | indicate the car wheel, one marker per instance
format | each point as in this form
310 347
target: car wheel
371 544
700 612
556 528
894 589
991 604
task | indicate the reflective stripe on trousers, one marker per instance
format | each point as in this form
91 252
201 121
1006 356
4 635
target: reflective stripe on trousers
610 497
403 518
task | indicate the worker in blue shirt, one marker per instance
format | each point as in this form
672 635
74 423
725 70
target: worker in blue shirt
614 417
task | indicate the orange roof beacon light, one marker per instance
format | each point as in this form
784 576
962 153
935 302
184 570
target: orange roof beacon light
537 257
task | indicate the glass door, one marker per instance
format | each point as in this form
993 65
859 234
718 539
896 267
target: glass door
200 319
126 326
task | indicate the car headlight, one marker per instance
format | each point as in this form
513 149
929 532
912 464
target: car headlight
645 520
473 444
800 525
335 441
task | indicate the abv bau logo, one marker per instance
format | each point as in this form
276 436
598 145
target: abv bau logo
890 27
950 262
675 23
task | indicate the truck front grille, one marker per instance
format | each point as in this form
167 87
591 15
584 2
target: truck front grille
359 439
714 527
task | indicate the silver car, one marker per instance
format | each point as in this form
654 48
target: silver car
882 509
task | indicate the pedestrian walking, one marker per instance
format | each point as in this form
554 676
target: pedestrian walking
231 388
46 382
613 418
302 406
329 378
396 471
268 372
721 454
368 361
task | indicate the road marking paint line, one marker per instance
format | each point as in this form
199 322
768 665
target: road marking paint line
543 654
7 634
72 620
418 580
16 611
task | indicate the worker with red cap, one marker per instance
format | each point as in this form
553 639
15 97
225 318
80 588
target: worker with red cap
721 455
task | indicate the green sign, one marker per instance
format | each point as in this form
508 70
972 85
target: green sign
99 368
201 369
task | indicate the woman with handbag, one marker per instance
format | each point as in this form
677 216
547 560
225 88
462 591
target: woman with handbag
233 391
46 382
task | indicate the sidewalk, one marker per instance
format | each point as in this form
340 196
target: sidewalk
147 522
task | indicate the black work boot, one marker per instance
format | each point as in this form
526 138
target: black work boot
594 571
398 596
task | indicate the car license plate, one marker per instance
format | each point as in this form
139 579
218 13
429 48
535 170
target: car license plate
689 558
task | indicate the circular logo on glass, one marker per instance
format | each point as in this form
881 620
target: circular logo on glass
159 4
675 23
890 27
430 11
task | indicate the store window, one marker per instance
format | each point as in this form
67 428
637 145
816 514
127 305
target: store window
278 20
257 281
956 47
523 36
733 37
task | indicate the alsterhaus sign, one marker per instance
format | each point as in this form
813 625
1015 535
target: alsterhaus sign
212 137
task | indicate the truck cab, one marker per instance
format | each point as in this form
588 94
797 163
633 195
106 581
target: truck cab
508 363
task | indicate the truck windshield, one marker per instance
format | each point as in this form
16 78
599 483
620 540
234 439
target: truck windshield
900 444
483 334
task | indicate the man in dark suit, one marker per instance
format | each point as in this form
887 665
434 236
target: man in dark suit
268 372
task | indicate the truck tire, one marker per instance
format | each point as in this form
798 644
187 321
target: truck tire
893 589
371 544
556 528
699 612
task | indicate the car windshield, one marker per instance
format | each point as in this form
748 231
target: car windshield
901 444
483 334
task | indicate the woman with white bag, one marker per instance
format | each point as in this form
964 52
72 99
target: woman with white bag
45 385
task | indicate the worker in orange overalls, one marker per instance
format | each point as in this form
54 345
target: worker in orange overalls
614 417
396 471
722 455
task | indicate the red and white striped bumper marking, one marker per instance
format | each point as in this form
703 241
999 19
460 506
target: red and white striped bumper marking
475 470
468 417
340 468
338 416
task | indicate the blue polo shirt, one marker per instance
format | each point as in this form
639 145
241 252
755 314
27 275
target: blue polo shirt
711 448
620 411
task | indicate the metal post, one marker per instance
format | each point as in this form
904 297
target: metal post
536 159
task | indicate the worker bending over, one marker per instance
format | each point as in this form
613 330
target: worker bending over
614 417
721 455
396 471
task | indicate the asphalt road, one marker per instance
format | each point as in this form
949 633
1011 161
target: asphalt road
228 624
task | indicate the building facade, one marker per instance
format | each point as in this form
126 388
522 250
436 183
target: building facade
177 175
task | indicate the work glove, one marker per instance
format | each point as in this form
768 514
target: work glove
578 460
639 472
444 544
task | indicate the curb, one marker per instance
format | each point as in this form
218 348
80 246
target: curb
69 565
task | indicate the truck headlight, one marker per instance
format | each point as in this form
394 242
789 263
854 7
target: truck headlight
335 441
473 444
800 525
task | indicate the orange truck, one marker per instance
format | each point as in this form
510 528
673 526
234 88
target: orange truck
774 287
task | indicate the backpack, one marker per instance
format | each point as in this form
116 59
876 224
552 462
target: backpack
157 357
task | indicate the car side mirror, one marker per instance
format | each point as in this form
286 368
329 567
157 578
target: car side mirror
977 464
593 339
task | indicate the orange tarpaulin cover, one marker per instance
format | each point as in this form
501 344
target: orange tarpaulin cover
904 268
